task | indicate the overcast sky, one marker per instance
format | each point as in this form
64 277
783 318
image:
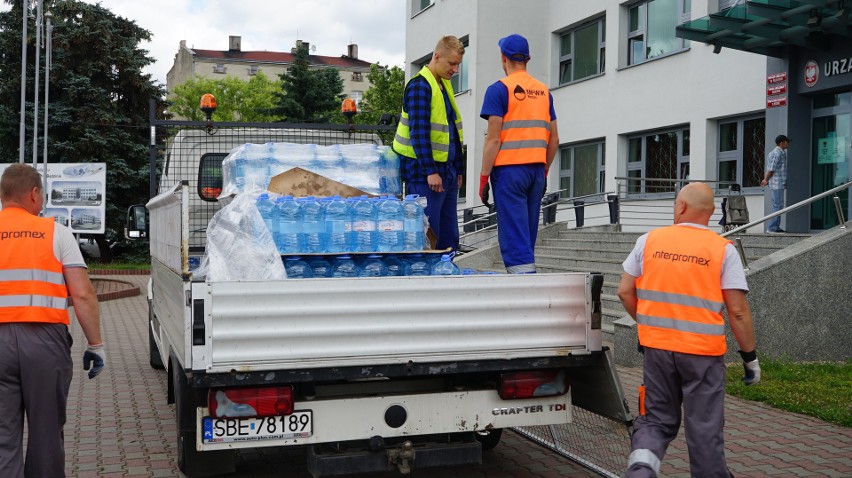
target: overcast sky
376 26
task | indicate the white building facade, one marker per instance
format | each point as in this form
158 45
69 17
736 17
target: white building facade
632 99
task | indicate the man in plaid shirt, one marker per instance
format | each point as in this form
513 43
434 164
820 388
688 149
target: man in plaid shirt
776 179
432 162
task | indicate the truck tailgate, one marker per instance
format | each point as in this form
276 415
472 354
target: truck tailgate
310 323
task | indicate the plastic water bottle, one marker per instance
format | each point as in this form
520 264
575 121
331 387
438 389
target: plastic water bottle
394 265
445 267
297 268
265 206
289 212
390 225
417 265
338 225
313 225
412 224
321 267
364 225
373 267
344 266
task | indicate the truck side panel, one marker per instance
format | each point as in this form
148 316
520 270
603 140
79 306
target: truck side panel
169 303
310 323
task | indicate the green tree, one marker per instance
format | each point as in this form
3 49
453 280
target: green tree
237 100
99 99
383 96
308 95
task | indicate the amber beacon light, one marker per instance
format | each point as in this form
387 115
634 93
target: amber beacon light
349 109
208 105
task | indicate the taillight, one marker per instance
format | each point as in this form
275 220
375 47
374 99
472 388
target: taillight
539 383
250 402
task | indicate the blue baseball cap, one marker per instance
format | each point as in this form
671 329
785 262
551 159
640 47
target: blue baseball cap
515 47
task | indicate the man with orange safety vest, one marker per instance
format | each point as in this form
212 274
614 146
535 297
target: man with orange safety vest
40 267
675 284
520 144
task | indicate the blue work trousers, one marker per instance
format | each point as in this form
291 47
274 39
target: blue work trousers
518 190
441 209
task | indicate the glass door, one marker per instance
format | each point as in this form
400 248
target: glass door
830 155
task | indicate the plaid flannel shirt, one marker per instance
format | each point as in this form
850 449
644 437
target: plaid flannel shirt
777 163
417 102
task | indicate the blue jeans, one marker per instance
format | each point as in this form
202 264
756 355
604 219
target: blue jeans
774 224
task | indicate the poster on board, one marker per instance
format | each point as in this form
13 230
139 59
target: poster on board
76 195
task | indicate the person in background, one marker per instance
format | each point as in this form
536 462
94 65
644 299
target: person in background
429 138
676 281
521 142
40 267
776 179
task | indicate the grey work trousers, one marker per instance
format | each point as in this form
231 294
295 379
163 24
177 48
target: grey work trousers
35 376
696 382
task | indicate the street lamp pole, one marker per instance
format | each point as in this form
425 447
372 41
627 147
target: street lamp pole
48 59
22 132
35 95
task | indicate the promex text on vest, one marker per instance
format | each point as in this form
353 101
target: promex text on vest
669 256
21 235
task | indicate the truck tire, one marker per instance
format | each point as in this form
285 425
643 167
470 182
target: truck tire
154 354
489 439
190 461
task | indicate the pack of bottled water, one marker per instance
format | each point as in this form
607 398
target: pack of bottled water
371 168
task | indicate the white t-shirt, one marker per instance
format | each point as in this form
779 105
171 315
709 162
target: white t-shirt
66 248
733 274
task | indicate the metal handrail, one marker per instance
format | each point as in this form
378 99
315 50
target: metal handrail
797 206
677 182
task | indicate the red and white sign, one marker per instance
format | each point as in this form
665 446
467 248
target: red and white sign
811 73
776 90
776 78
774 102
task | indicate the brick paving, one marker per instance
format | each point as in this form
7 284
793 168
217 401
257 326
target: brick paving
120 426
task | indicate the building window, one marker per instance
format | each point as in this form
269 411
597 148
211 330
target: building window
357 76
418 6
459 80
581 169
657 155
219 68
582 52
651 28
356 96
741 152
252 70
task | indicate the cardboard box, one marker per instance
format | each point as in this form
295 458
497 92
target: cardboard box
300 182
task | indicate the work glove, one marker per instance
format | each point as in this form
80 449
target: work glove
751 367
484 189
94 357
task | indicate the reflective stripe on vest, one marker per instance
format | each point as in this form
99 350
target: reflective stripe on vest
526 125
32 285
680 294
439 124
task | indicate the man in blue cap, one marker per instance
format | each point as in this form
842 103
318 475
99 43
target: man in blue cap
520 145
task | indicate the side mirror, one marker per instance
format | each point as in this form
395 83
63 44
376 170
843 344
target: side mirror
137 222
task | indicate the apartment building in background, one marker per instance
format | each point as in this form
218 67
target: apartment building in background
635 99
245 64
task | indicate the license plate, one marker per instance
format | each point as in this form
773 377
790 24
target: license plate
226 430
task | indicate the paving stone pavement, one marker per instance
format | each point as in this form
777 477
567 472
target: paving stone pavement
120 426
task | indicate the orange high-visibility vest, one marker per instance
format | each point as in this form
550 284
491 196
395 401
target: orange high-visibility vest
680 291
32 286
526 126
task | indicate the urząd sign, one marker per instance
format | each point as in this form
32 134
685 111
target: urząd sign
829 68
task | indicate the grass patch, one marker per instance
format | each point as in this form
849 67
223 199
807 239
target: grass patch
119 266
822 390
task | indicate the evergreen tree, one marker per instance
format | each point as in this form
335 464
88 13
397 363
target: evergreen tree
98 96
311 96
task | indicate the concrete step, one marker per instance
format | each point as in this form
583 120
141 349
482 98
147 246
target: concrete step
567 250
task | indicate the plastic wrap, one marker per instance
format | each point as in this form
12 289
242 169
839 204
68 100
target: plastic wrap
370 168
239 245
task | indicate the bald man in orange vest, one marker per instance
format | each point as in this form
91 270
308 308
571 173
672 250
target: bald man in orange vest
675 284
40 267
